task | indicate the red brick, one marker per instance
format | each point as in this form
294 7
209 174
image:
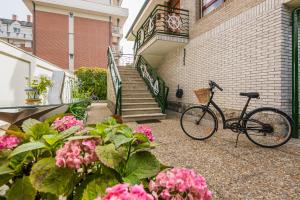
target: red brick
52 38
91 42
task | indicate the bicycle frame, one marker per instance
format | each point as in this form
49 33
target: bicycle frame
219 110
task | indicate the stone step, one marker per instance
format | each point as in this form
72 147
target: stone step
129 91
141 81
135 87
138 111
141 117
127 70
130 77
129 73
133 84
138 100
137 95
139 105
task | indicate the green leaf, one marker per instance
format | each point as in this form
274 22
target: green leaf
98 186
48 196
132 179
109 156
142 165
51 139
40 129
111 121
120 139
27 147
22 189
4 169
4 179
28 124
141 137
69 132
82 137
46 177
125 130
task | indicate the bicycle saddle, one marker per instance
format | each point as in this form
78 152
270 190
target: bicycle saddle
250 94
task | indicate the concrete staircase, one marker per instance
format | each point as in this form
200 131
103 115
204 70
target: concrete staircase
137 101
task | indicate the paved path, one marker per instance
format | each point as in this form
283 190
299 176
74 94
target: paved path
247 172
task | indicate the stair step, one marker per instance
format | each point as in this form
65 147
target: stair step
127 92
138 111
134 95
135 87
129 74
127 70
139 105
133 82
138 100
141 117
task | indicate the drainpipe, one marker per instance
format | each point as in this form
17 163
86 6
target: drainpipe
34 29
295 71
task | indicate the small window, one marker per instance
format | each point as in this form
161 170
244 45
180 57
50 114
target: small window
208 6
17 30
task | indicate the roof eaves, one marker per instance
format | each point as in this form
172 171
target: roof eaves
137 17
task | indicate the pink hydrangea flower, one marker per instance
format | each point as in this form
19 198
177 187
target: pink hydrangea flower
75 153
9 142
62 124
146 130
126 192
179 183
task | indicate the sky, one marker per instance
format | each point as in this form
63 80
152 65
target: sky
18 7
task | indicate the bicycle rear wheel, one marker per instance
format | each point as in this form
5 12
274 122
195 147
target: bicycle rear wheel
268 127
199 122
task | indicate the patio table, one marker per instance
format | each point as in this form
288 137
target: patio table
17 112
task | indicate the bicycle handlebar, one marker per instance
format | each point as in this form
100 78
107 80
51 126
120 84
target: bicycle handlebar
214 84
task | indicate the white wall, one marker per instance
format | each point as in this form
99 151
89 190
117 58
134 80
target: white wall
15 66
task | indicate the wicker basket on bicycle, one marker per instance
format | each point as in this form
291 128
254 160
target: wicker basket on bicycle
203 95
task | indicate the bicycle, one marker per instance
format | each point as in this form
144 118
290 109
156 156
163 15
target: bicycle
266 126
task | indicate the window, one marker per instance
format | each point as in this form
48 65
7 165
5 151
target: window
17 30
208 6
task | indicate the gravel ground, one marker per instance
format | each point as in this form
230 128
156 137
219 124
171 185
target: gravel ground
246 172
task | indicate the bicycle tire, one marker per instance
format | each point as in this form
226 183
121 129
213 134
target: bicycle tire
208 112
276 111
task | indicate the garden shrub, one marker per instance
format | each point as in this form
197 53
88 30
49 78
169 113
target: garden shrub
110 161
92 80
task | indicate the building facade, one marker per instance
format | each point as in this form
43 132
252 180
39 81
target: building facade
243 45
16 32
76 33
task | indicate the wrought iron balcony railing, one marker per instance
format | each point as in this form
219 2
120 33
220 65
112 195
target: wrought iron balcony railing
163 20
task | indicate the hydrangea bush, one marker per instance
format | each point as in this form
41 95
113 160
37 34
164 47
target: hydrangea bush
66 122
107 161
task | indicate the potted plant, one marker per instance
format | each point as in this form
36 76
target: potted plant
36 88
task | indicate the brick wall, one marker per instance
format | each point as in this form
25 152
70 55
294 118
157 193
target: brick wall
250 51
52 38
91 42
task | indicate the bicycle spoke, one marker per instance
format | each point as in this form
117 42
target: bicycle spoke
268 128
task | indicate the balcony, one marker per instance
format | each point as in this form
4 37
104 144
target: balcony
165 29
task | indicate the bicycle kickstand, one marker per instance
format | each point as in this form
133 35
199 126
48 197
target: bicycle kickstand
237 139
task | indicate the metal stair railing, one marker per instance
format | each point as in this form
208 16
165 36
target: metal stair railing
156 85
116 79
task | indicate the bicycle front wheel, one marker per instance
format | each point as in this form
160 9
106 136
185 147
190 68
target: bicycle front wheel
268 127
198 122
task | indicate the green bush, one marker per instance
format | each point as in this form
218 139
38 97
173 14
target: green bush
92 81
